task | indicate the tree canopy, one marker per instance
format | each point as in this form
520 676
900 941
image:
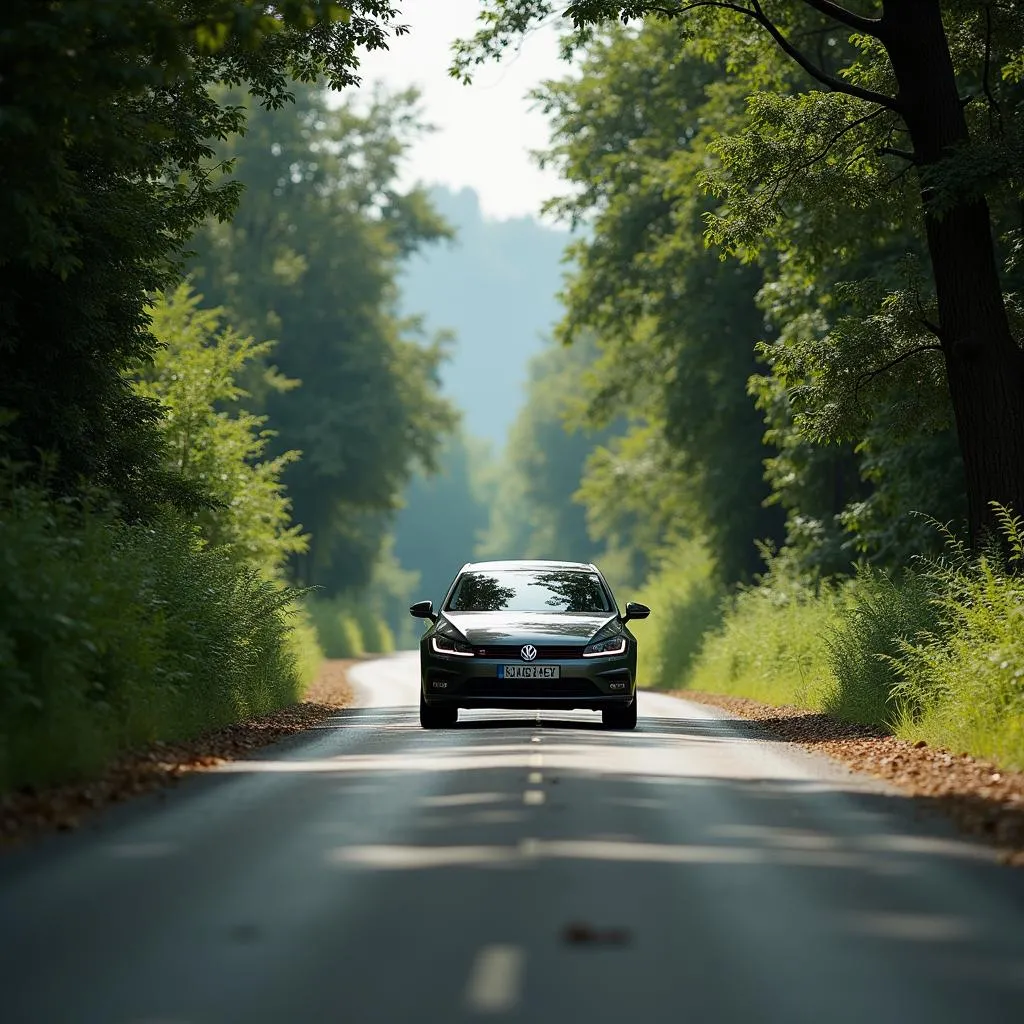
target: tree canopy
112 111
310 259
880 128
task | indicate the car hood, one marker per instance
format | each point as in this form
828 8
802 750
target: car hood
483 628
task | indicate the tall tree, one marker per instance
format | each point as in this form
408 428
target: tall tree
932 88
677 325
535 513
311 259
108 113
441 518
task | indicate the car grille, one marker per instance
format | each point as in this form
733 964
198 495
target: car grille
529 688
544 653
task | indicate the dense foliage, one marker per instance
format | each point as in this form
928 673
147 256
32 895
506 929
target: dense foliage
109 114
214 442
114 634
676 323
896 130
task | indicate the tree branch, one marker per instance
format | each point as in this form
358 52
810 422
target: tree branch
868 377
867 26
903 154
756 12
993 104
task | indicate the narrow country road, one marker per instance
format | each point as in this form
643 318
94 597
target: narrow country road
526 868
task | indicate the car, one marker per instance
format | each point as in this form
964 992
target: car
528 635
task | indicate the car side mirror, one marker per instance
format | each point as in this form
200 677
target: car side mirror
423 610
635 610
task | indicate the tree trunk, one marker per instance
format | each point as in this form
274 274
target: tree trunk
984 364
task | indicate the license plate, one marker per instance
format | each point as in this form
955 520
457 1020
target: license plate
527 671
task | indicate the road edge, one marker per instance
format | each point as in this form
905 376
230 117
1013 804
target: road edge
32 813
983 800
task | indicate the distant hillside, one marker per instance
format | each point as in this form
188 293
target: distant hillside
495 288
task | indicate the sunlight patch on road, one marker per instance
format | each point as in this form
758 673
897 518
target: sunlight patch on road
424 857
404 857
596 848
495 979
141 850
913 927
464 799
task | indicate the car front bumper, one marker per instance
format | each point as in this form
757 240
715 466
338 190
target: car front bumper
592 683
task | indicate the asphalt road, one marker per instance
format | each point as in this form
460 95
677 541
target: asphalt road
516 868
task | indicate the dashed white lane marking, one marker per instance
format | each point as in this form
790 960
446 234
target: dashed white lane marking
535 778
533 796
494 981
536 760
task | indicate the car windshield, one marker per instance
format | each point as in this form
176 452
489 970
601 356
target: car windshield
530 590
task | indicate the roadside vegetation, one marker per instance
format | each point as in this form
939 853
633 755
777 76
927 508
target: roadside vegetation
934 652
207 409
115 633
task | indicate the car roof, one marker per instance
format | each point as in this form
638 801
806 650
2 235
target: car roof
527 563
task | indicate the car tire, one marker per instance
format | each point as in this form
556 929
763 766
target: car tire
443 717
620 718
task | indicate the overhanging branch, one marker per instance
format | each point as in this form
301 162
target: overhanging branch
756 12
867 26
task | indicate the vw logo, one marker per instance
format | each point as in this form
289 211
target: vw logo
528 653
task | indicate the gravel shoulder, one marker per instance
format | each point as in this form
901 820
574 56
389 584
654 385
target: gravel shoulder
30 811
984 800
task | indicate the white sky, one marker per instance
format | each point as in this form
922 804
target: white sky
484 131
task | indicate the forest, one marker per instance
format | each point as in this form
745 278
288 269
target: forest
800 425
783 402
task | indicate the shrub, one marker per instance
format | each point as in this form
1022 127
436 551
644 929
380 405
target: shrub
771 643
114 635
305 645
349 626
881 614
936 653
212 442
376 635
961 684
337 630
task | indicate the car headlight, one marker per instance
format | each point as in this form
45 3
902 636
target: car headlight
446 645
606 648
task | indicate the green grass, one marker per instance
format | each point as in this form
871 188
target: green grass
112 636
770 645
934 653
961 685
685 603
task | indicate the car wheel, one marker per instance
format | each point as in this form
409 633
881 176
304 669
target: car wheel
620 718
437 717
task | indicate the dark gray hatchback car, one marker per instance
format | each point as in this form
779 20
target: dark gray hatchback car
528 635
